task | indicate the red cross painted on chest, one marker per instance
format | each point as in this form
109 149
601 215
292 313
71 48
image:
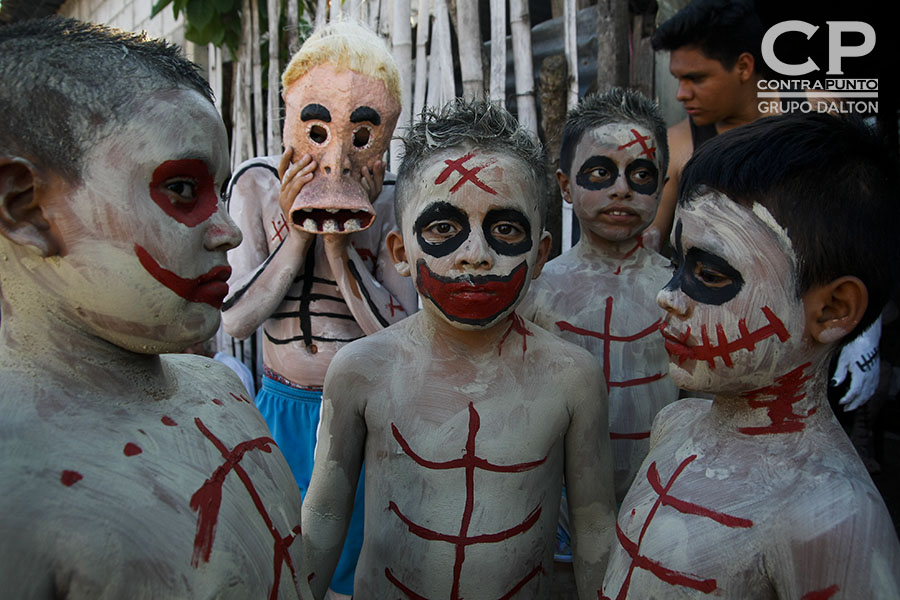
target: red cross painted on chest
470 463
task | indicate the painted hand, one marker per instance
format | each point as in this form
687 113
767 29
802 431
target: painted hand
860 361
372 179
293 178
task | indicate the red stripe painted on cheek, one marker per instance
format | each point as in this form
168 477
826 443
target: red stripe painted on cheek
210 288
205 204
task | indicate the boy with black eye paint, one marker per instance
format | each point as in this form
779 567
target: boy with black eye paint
758 493
601 294
467 415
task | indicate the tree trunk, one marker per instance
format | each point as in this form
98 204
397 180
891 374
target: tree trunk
353 11
273 112
498 52
612 44
259 129
642 60
552 93
421 80
520 25
468 34
571 47
292 31
401 38
215 75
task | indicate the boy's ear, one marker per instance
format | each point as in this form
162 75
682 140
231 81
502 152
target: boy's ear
21 218
746 66
563 180
544 247
834 309
397 251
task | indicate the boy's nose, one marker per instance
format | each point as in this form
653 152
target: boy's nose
475 252
620 187
221 232
674 301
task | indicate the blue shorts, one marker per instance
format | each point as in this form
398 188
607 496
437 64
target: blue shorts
293 417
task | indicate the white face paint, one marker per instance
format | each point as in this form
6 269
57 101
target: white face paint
472 236
144 237
615 181
733 311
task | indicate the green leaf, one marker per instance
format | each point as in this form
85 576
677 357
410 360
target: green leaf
200 12
223 6
158 6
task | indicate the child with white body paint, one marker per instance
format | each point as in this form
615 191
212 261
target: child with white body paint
126 473
467 415
784 249
601 294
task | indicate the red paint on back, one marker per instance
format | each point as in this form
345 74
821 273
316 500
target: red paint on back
70 478
168 421
131 449
822 594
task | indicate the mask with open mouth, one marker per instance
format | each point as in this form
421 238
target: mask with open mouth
344 120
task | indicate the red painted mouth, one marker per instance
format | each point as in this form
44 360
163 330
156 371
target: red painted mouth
677 346
475 300
209 288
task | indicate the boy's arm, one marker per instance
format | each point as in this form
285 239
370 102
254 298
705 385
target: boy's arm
259 280
380 299
589 480
328 504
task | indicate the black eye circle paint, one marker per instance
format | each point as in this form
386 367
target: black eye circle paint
685 277
442 211
509 215
584 173
649 186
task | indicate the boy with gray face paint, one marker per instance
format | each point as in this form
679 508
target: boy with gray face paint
784 250
467 415
601 294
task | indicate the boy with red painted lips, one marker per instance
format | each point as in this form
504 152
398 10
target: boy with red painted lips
758 493
601 294
467 415
127 472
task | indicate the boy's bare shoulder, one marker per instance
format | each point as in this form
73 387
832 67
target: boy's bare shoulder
677 417
551 350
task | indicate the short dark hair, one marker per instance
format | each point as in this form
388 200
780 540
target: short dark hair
721 29
470 124
66 82
618 105
830 182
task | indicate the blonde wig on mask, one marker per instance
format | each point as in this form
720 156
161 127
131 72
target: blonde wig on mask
346 45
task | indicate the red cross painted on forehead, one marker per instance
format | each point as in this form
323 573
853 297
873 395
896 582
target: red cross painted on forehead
465 174
650 151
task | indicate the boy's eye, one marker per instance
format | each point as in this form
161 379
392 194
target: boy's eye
508 232
599 174
181 190
440 231
710 276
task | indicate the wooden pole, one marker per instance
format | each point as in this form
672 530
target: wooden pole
273 112
321 12
571 48
441 86
259 130
520 26
468 33
612 44
498 52
292 30
421 81
401 38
